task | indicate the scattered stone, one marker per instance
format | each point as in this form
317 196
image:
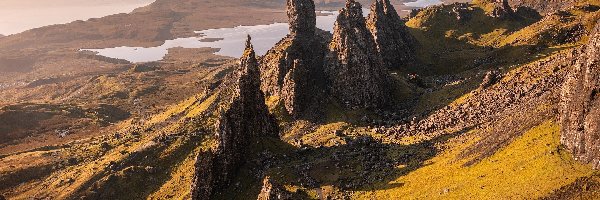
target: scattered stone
462 11
273 191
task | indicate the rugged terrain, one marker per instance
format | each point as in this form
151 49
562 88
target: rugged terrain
478 100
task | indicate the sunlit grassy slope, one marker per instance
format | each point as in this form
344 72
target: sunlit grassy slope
450 45
531 167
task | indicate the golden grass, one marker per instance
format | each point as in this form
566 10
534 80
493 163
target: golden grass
531 167
325 135
182 175
196 110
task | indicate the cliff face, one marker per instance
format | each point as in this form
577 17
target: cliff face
392 39
355 70
292 70
580 109
244 118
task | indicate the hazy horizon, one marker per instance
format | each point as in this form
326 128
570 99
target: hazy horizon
22 15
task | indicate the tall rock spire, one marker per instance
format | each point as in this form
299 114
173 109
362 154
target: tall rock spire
302 17
392 39
243 119
249 72
292 71
355 70
580 107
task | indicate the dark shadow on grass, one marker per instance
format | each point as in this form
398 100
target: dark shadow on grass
363 164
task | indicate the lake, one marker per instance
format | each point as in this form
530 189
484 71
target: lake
423 3
229 41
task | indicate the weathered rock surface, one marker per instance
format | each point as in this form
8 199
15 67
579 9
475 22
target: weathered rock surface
357 75
580 106
243 119
302 16
292 70
273 191
392 39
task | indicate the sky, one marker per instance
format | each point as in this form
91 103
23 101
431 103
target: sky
19 15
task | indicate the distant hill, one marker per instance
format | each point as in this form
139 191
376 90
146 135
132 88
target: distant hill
543 6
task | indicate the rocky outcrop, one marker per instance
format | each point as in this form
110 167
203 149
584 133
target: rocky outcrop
302 17
501 9
358 78
580 107
292 71
273 191
243 119
490 78
392 39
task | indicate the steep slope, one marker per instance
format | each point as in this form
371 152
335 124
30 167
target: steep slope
580 111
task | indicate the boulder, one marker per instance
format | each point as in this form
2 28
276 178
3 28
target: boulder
273 191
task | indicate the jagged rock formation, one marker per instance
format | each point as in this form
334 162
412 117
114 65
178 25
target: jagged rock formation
490 79
463 11
302 17
392 39
501 9
273 191
580 107
292 70
244 118
355 70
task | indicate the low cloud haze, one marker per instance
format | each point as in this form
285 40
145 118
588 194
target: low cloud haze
21 15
